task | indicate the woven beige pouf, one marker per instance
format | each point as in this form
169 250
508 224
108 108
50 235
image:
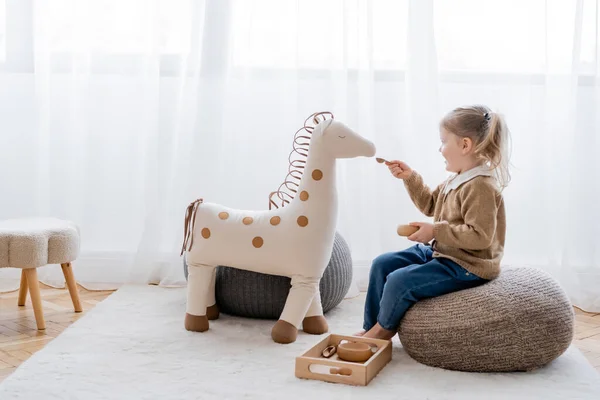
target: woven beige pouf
30 243
520 321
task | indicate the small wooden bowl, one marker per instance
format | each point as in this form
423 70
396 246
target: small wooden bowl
354 351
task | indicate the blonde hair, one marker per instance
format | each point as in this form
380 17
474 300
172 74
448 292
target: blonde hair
489 133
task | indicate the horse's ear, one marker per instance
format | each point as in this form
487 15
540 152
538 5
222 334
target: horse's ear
321 117
330 123
326 124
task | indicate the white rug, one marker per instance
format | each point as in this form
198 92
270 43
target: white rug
133 346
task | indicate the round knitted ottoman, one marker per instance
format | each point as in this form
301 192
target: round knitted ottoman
255 295
520 321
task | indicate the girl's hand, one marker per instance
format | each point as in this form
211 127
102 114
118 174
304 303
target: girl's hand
424 234
399 169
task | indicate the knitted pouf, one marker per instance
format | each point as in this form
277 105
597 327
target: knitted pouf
256 295
520 321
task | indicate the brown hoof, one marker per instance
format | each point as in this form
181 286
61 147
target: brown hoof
315 325
212 312
196 323
283 332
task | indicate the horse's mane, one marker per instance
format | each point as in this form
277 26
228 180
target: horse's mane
296 167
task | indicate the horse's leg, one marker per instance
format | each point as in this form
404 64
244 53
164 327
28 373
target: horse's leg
212 312
314 322
297 303
200 277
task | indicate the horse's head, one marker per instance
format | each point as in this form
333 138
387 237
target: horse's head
342 142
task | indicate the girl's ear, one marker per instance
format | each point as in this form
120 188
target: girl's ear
466 145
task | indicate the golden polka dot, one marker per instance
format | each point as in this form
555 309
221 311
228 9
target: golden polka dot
275 220
223 215
257 242
205 233
317 174
304 195
302 221
247 220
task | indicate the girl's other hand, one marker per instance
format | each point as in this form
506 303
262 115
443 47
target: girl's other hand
399 169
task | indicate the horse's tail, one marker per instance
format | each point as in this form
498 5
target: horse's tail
188 228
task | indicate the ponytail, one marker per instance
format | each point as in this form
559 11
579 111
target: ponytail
494 148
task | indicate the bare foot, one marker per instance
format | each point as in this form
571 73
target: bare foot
361 333
377 332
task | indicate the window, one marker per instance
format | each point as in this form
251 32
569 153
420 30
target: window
319 34
117 27
490 36
589 37
471 36
2 31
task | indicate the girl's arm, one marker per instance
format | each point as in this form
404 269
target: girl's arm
479 207
420 194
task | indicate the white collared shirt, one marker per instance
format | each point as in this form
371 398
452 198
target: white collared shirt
459 179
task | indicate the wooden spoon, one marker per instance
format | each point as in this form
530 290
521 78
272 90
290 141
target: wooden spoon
381 160
328 351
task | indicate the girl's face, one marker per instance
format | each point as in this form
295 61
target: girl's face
454 150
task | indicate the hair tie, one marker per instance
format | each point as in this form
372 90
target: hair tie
487 116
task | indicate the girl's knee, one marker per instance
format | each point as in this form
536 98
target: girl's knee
400 278
381 262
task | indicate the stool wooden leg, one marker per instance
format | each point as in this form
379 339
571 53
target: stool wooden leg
72 285
36 298
23 289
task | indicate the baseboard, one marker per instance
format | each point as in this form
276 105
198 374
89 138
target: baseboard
361 275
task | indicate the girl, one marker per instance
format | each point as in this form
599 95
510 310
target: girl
468 228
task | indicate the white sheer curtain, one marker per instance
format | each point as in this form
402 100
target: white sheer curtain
117 113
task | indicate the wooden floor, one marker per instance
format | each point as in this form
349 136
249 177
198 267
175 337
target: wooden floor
587 336
19 338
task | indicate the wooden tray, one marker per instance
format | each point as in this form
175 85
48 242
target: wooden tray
312 365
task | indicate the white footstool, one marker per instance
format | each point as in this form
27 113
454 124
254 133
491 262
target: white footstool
30 243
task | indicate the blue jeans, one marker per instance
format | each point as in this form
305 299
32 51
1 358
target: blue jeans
398 280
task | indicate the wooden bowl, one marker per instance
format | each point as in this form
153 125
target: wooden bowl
354 351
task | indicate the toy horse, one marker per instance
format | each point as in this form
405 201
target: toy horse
295 241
